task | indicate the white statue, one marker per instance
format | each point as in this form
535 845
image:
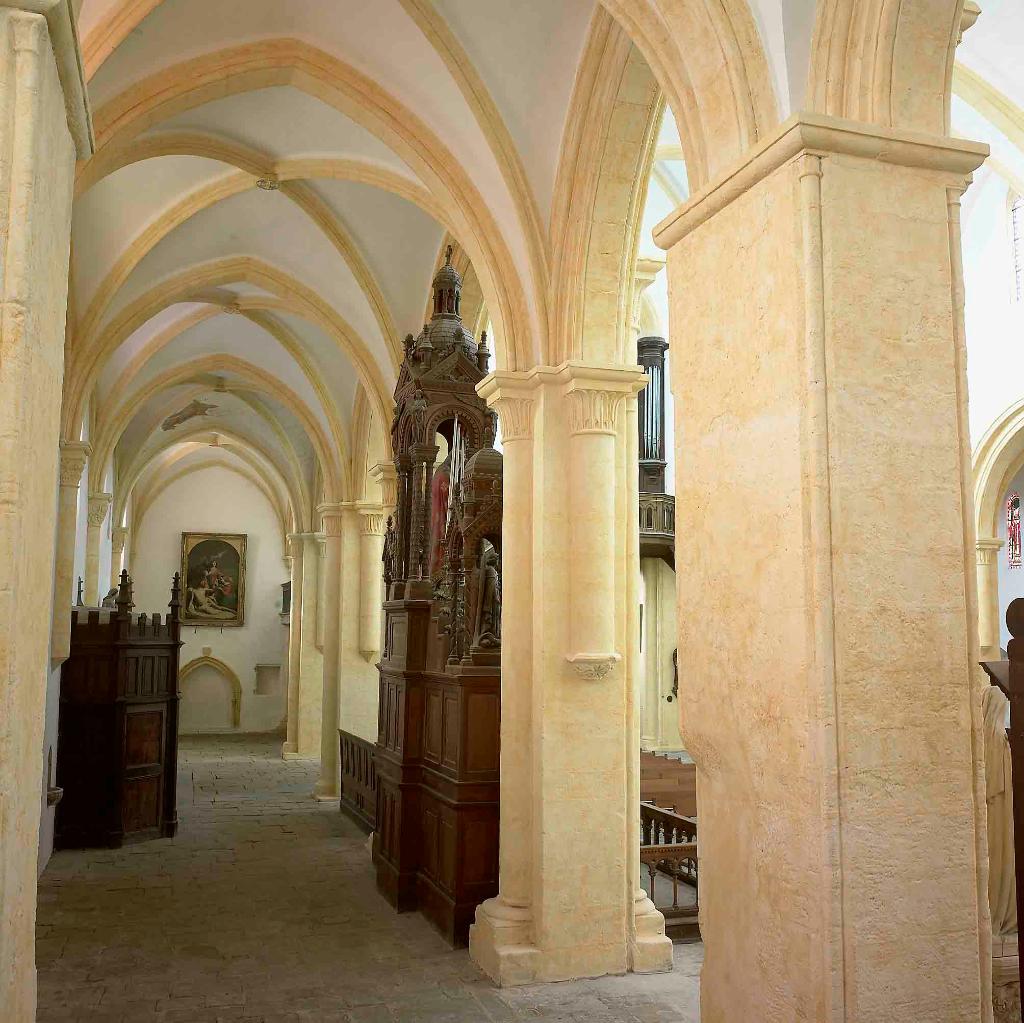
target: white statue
1002 891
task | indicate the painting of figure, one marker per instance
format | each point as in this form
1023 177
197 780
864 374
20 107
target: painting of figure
213 567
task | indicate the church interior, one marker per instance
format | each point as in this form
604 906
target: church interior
511 511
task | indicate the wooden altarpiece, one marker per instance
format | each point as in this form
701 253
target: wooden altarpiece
436 840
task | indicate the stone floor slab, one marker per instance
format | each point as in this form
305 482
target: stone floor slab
263 909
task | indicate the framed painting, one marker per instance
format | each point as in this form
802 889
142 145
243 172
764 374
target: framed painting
213 568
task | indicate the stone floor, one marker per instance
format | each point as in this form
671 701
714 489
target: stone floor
263 910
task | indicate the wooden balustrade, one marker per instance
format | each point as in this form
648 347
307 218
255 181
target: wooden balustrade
668 845
358 780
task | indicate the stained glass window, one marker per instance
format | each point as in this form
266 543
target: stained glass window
1013 529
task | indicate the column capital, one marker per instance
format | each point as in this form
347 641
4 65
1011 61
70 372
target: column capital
820 134
988 548
63 32
332 516
510 394
371 518
385 475
99 505
118 537
74 455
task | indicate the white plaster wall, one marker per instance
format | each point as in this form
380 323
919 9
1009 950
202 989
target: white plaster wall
206 699
994 319
993 316
214 500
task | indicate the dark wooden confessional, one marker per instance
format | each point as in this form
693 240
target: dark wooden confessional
117 745
436 840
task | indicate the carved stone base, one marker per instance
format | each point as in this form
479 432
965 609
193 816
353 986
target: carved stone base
1005 980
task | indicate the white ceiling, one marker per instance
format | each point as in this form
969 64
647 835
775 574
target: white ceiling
525 54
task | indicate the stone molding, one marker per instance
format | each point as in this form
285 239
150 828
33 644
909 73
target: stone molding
595 390
74 455
371 518
63 32
296 542
593 410
593 667
99 505
332 517
820 134
515 415
988 549
385 476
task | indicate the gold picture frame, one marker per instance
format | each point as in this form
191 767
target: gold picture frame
213 579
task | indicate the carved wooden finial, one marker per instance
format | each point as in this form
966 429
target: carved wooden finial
448 256
124 593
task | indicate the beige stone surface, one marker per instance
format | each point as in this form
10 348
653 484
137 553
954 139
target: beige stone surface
36 169
569 902
828 694
659 728
311 664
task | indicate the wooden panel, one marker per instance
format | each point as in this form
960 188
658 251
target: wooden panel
141 810
431 838
452 730
480 845
482 713
358 780
433 726
143 738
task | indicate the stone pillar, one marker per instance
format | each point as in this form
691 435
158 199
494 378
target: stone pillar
371 549
46 125
311 662
501 940
118 539
569 438
386 477
74 455
989 617
327 787
831 690
99 505
290 748
650 704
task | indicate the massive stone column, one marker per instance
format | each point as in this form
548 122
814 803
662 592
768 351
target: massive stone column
989 616
327 787
570 441
45 126
291 742
99 505
371 548
74 456
118 539
827 592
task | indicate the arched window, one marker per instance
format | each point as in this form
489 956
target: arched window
1013 551
1017 240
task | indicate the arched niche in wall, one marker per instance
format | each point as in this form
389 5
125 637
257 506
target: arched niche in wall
225 671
